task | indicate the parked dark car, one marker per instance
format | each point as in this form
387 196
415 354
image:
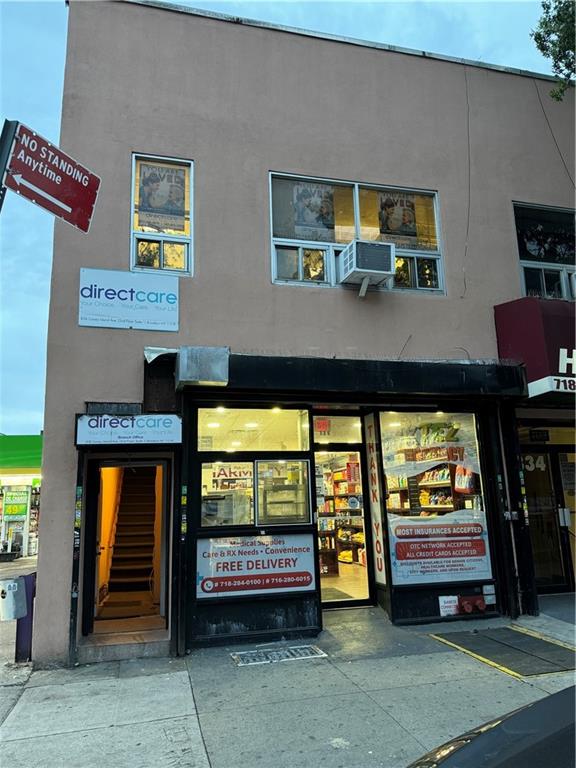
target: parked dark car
540 735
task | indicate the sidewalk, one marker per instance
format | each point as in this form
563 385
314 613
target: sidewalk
382 696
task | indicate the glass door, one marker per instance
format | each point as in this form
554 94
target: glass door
549 520
340 510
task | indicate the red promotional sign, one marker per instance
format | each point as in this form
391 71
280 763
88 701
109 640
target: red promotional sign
423 550
43 174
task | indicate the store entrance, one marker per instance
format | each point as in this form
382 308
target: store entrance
341 528
549 481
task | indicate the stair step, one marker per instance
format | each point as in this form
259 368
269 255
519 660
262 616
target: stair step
125 554
136 565
134 525
128 579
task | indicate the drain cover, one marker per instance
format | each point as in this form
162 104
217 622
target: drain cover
294 653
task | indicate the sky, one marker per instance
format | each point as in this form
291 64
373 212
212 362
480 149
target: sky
32 56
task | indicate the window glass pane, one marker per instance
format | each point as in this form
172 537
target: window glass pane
427 273
404 277
252 429
436 516
543 235
148 253
161 197
533 281
227 494
310 210
287 263
313 262
404 218
553 284
337 429
283 496
174 255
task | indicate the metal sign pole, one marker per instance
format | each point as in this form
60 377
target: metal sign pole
6 143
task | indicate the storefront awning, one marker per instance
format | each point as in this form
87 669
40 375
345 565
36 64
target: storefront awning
540 334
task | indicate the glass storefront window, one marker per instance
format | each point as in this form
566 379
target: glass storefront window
252 429
436 515
337 429
283 492
227 493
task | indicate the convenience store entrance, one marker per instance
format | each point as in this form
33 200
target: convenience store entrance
343 559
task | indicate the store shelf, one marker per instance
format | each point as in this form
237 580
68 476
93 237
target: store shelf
436 484
437 506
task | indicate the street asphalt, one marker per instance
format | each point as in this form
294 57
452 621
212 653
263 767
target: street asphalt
382 696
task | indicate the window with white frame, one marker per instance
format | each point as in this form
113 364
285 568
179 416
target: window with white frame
161 215
314 219
546 249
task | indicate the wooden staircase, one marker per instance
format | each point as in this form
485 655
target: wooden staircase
133 557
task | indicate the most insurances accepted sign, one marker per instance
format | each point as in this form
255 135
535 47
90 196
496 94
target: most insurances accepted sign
48 177
113 299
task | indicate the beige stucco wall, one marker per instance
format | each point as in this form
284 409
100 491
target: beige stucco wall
243 101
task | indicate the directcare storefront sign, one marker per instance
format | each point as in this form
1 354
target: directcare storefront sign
453 547
146 428
254 565
115 299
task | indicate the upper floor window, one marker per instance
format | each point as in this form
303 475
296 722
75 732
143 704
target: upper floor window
313 220
161 215
546 248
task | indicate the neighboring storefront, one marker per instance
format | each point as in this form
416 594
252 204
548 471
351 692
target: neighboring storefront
540 333
20 480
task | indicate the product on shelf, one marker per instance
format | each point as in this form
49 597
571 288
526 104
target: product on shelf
345 556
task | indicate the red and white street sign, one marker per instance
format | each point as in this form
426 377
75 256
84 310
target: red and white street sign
43 174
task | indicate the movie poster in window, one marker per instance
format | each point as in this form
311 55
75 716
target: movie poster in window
397 217
313 206
161 197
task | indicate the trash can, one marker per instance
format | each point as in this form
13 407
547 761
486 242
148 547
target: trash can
12 599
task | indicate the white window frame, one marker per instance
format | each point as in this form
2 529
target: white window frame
333 248
186 240
567 278
567 272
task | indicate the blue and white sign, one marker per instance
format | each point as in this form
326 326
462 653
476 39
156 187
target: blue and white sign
143 429
113 299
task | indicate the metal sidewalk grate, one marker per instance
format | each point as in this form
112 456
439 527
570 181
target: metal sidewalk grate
295 653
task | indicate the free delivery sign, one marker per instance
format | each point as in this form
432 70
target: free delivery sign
114 299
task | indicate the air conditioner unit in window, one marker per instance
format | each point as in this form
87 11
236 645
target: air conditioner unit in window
366 263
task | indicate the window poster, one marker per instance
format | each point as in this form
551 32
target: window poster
313 206
397 213
161 197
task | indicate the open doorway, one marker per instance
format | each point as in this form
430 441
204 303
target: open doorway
130 585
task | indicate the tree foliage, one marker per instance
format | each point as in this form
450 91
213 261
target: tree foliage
554 38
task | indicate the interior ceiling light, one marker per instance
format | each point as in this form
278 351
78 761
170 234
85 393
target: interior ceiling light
213 425
220 409
439 413
276 409
250 425
236 443
394 424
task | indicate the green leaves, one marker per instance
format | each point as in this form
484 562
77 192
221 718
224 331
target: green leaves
555 39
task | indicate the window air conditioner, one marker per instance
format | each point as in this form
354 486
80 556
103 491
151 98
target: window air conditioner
363 262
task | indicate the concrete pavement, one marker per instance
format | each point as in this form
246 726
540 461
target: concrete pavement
382 696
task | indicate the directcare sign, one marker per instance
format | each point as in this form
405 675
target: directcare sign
113 299
48 177
254 565
144 429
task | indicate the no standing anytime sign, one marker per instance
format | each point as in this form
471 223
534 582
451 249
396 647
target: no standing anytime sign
43 174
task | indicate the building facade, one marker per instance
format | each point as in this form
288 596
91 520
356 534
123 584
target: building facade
274 383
